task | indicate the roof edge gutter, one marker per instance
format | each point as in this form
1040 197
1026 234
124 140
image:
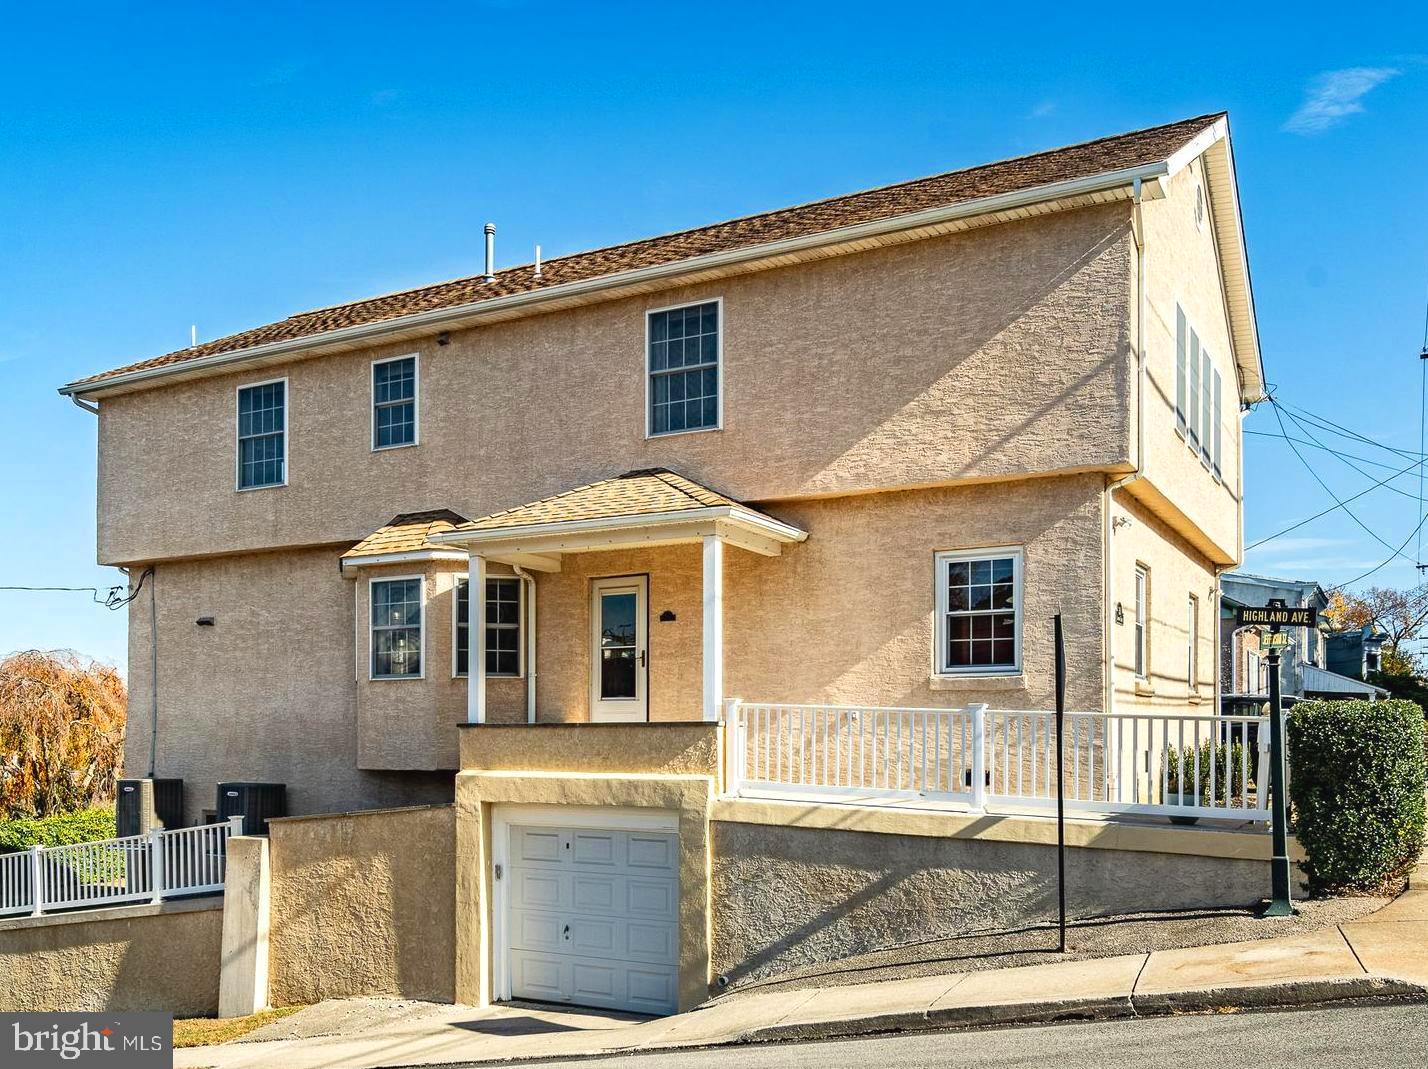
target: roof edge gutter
438 318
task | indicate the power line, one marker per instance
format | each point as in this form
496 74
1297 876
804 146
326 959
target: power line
1378 567
1337 500
1326 424
1387 483
113 597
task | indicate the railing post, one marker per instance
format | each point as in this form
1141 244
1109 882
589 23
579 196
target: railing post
235 825
37 880
156 866
734 741
979 757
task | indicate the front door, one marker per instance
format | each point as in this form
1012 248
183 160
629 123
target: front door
618 655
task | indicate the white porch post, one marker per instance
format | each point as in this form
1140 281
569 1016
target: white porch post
476 629
713 627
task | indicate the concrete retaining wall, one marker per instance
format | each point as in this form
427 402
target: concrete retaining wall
363 904
163 958
786 897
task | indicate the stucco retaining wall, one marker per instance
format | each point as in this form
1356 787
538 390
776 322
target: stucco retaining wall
363 904
163 958
786 897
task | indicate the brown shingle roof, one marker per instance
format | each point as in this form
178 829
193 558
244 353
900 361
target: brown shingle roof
406 533
636 493
1083 160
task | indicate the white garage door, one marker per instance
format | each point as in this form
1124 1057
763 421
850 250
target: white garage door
593 917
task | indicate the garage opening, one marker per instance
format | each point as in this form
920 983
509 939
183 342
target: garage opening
588 907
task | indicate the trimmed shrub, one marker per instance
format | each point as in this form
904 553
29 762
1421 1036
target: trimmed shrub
1228 790
1356 779
83 826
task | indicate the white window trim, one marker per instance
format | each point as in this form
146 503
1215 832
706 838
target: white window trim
718 370
421 627
521 637
237 439
416 403
1140 633
939 629
1192 642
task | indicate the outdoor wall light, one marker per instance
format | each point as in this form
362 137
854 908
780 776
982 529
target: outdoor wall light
1120 614
204 621
666 617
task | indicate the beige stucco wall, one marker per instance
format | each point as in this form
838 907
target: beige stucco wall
664 748
1182 266
265 694
1176 570
127 958
843 375
363 904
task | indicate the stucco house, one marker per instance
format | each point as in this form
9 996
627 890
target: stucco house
598 545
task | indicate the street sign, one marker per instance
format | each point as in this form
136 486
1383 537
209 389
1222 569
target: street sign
1275 616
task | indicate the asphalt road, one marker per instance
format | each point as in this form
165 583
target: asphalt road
1374 1037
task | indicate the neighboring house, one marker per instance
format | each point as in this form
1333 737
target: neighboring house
1354 654
1305 668
539 526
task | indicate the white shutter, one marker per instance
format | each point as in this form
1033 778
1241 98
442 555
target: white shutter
1180 329
1207 390
1192 398
1217 426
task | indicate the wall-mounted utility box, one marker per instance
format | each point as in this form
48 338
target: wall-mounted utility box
142 805
256 803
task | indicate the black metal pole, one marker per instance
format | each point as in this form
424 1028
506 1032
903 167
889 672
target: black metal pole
1060 771
1279 904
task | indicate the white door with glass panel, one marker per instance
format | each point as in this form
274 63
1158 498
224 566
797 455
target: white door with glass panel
619 654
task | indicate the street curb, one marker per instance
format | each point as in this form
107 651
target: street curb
1248 997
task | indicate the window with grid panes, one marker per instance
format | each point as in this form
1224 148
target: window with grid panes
503 627
684 368
979 606
262 435
394 413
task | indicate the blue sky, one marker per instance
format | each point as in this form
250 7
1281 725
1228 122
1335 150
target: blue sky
227 165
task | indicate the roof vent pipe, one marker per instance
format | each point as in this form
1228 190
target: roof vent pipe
537 275
490 252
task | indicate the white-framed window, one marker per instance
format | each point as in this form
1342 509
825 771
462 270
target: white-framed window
395 403
1197 394
398 617
1192 642
684 367
505 602
262 423
1142 621
979 596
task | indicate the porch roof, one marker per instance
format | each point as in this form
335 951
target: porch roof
407 537
653 506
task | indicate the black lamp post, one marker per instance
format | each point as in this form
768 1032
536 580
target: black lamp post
1279 904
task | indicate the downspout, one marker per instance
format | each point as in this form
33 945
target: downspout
1107 495
529 580
153 673
93 410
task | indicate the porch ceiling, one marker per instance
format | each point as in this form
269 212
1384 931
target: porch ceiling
640 508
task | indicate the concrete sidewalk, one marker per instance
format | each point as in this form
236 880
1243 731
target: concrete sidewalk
1383 955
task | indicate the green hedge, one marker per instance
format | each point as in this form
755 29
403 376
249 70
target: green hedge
1356 779
83 826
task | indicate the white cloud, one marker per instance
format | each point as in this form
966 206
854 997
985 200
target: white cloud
1042 110
1335 95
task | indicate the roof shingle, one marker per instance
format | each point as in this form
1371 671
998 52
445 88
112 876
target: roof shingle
1083 160
636 493
407 533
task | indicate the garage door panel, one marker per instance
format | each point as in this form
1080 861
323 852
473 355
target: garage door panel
592 893
650 990
592 918
535 931
595 847
539 889
651 942
650 898
536 845
538 976
652 852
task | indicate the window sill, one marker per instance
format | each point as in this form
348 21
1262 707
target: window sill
1144 689
974 681
652 435
395 679
399 445
265 486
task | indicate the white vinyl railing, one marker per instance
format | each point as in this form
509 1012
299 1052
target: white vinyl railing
1167 765
138 868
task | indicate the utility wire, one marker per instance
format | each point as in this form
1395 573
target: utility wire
1326 424
1341 503
1378 567
1314 441
1330 449
113 597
